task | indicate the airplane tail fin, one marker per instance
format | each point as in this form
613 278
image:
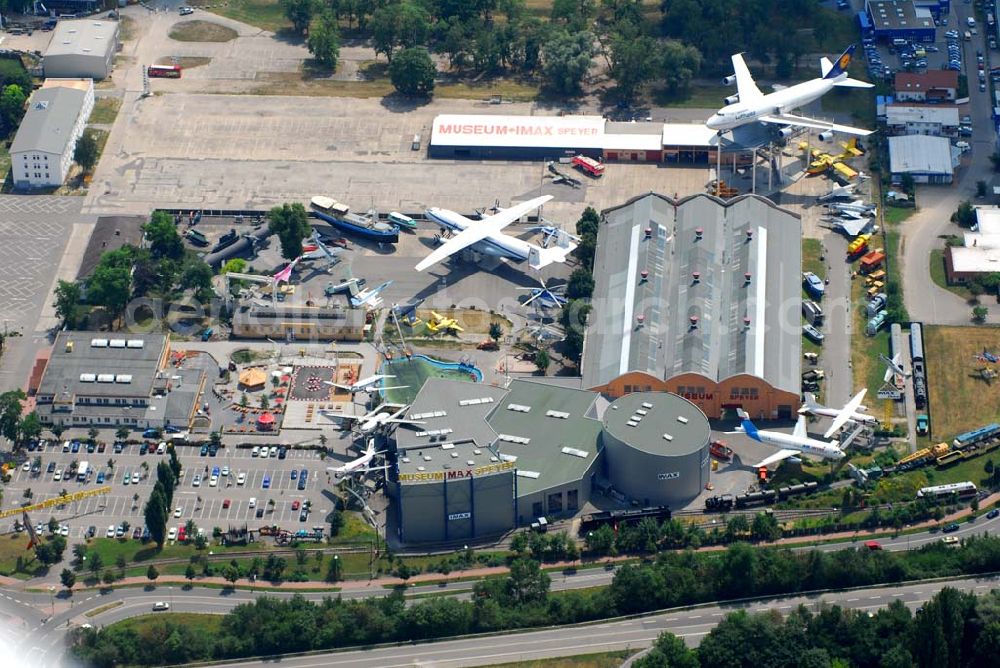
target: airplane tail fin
542 257
840 67
748 427
810 403
825 66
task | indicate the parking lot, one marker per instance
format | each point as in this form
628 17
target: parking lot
203 503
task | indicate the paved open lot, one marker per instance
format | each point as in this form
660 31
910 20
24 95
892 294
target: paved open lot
120 504
39 233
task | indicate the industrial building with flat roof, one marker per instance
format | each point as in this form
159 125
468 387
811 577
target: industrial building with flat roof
106 380
931 119
488 136
259 320
926 159
900 19
487 459
700 297
56 116
980 250
81 48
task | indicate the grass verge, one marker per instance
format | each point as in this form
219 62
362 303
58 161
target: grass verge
186 62
960 398
597 660
150 627
202 31
103 608
939 277
265 14
105 110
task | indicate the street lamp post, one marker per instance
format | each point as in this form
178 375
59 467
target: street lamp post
52 599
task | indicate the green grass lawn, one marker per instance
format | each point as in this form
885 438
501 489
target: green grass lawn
960 400
811 250
265 14
12 546
202 31
105 110
893 215
152 626
412 374
598 660
135 551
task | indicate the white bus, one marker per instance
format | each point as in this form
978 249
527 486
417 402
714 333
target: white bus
81 472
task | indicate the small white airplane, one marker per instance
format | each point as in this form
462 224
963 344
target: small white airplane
377 418
750 105
359 465
487 237
367 298
894 365
798 442
366 384
849 413
838 193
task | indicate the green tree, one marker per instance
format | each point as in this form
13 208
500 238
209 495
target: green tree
67 578
12 105
299 13
601 541
85 151
336 522
542 360
189 572
333 571
765 527
979 313
231 574
496 331
236 266
30 427
121 563
110 286
403 25
576 15
291 224
736 526
161 233
10 414
581 284
527 582
155 515
108 577
68 295
96 562
566 58
324 40
152 573
678 64
51 551
668 651
412 72
197 276
633 62
965 215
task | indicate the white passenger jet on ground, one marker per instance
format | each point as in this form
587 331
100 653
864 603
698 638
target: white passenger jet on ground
798 442
368 298
488 239
849 413
750 105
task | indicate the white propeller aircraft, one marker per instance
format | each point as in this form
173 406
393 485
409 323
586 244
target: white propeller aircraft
798 442
377 418
750 105
366 384
359 465
849 413
487 236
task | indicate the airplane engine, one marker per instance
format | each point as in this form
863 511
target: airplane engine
732 99
729 81
826 135
785 132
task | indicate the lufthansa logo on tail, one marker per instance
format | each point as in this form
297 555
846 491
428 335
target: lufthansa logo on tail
845 60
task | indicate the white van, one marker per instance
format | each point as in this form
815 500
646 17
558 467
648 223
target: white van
962 145
161 448
971 22
255 452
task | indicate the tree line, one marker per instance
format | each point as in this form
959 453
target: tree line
521 599
953 629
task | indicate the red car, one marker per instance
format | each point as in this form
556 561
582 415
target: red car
225 504
295 505
181 534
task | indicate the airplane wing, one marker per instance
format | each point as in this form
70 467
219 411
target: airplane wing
800 428
845 413
481 230
745 85
802 121
405 421
776 457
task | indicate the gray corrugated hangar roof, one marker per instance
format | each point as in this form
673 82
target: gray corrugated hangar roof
716 323
103 364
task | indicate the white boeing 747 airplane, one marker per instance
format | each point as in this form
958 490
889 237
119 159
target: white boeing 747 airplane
750 105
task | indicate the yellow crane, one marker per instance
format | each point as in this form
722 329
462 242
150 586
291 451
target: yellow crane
56 501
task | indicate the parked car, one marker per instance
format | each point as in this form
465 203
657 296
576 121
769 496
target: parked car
172 534
185 11
813 334
241 478
993 513
100 477
177 511
135 477
281 453
225 504
110 533
951 527
225 470
137 533
91 531
51 468
267 482
204 450
295 505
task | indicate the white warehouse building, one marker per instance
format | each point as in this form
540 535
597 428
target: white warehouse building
42 151
927 159
82 48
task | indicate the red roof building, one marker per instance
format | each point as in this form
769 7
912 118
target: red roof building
929 86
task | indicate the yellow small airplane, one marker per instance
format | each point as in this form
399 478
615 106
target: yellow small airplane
823 161
440 323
